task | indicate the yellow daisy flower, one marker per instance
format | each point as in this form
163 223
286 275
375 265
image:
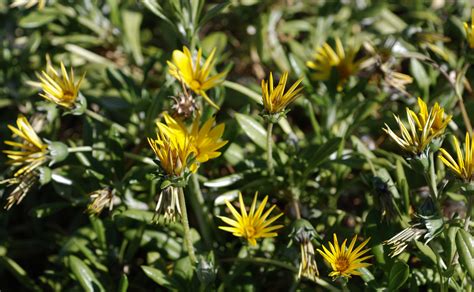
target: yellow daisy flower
29 3
32 151
325 59
59 88
464 167
196 77
207 140
252 225
345 261
422 129
276 99
470 30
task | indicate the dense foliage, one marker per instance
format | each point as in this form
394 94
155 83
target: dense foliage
236 145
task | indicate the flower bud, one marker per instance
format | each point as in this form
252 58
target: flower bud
58 151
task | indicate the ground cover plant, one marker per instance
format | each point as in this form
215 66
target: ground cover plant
237 145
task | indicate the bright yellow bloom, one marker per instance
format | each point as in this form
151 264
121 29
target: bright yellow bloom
470 30
276 99
32 151
345 261
423 128
464 167
60 88
325 59
172 147
176 144
252 225
196 77
29 3
206 140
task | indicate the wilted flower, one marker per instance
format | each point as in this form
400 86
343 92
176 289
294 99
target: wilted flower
303 232
184 104
464 166
276 99
252 225
423 128
325 59
401 240
32 154
168 204
345 261
470 30
29 3
196 77
60 88
100 199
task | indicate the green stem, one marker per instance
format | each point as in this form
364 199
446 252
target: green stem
467 221
187 233
200 209
106 121
269 148
312 119
80 149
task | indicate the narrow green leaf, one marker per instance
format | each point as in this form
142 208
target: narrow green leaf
244 90
465 248
322 153
398 276
84 275
157 276
19 273
123 284
252 129
132 22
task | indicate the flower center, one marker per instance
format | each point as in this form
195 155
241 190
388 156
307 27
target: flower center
249 231
68 95
341 264
195 84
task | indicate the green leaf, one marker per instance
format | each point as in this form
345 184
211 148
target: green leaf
19 273
244 90
157 276
465 248
253 129
84 275
322 153
398 276
36 19
132 22
419 72
123 284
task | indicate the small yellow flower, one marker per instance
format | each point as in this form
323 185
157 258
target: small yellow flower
59 88
176 144
207 140
172 147
325 59
423 128
464 167
345 261
276 99
470 30
32 151
196 77
29 3
252 225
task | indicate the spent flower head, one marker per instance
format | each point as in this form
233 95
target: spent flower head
195 75
275 99
325 59
345 261
29 3
252 225
60 88
464 166
422 128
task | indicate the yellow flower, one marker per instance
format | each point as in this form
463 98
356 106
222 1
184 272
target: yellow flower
196 77
325 59
345 261
172 148
276 99
252 225
470 30
32 151
59 88
464 167
29 3
175 144
206 140
423 128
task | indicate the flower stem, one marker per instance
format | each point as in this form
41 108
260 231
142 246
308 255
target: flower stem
269 149
80 149
467 221
106 121
200 210
187 234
